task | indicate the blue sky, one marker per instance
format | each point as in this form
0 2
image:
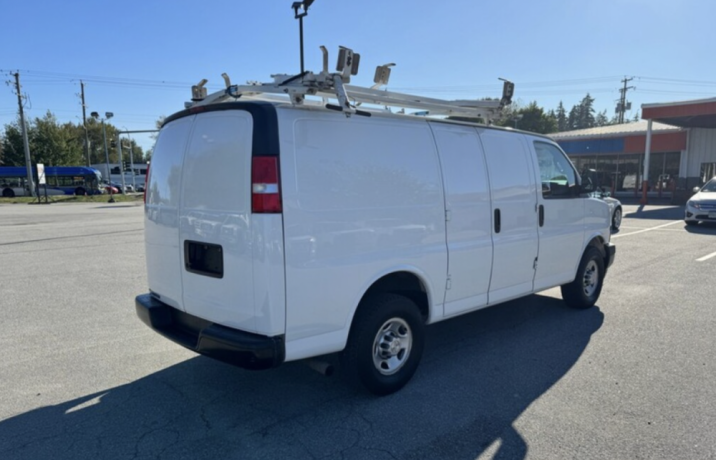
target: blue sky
139 58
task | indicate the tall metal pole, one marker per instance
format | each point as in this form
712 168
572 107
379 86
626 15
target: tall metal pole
106 156
26 143
121 163
84 122
647 157
131 165
300 31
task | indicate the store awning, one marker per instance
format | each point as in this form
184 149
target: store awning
686 114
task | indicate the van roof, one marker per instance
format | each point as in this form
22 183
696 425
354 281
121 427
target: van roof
260 106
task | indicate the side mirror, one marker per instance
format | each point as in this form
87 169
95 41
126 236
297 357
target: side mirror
696 189
588 183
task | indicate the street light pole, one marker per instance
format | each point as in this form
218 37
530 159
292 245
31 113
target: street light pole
131 165
107 115
106 156
121 163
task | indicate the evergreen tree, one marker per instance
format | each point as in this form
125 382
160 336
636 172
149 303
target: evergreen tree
562 122
601 119
531 118
587 119
574 118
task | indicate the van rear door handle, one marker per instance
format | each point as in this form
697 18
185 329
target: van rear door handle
541 215
498 224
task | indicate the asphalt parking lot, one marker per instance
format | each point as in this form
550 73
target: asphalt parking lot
83 378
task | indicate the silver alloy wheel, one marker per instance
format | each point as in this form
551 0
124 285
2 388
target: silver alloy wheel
591 278
391 346
617 218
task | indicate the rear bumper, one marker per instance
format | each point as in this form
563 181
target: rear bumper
611 251
232 346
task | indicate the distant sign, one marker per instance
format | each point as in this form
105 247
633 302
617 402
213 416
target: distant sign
41 174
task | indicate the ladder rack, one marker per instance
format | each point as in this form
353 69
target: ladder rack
333 86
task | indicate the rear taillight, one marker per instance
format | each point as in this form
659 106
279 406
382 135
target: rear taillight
146 184
265 192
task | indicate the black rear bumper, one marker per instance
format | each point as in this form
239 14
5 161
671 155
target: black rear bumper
240 348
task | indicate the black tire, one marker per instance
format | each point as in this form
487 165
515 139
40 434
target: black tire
393 324
80 191
8 193
584 291
617 219
691 223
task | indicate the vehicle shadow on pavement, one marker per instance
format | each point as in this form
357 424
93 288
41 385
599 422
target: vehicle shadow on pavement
703 228
479 373
660 213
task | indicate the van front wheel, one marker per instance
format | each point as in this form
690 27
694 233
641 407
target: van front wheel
385 343
584 291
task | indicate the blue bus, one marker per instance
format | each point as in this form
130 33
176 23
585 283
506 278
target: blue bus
61 180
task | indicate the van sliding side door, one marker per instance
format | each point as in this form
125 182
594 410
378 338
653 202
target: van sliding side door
468 223
514 215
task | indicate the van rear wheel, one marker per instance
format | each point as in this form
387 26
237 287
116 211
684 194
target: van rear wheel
385 343
584 291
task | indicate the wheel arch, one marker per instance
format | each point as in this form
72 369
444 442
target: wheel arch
598 241
408 282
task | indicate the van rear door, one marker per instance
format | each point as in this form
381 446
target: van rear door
161 222
219 237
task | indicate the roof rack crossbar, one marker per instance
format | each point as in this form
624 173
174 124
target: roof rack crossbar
331 86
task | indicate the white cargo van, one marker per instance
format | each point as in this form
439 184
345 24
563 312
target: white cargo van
279 231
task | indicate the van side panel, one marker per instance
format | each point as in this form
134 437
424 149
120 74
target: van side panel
469 227
514 196
361 198
161 223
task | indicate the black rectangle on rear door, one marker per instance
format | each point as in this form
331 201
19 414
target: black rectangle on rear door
204 259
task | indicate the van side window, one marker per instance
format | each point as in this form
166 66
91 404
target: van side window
557 174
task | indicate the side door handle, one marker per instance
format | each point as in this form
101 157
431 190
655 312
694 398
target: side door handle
498 224
541 215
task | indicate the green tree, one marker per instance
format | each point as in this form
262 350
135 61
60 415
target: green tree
12 146
531 118
602 119
52 143
562 122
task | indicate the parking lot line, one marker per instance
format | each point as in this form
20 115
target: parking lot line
707 257
647 229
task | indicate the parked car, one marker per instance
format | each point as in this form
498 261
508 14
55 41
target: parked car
110 189
594 178
615 210
702 206
117 188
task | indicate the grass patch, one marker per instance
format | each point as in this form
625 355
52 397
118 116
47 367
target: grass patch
72 199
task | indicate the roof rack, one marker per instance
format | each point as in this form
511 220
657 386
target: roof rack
335 85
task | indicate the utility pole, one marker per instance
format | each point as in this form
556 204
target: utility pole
28 163
84 122
623 105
